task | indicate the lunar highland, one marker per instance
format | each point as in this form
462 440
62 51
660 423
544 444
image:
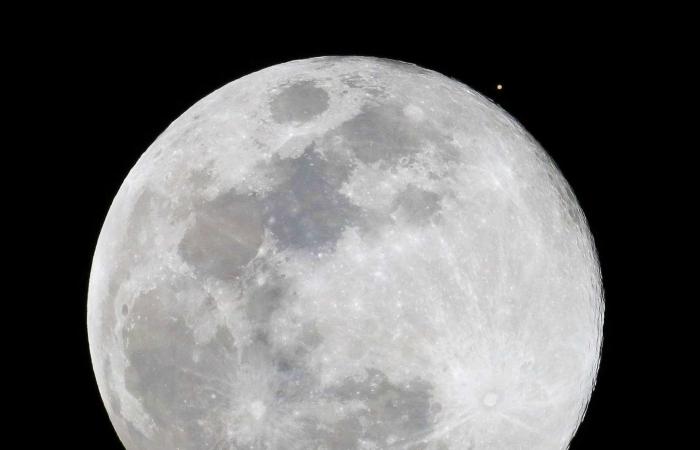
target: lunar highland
345 253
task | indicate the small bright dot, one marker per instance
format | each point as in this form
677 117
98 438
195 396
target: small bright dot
257 409
499 86
490 399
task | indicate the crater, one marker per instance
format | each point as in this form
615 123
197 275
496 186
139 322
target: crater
257 409
299 102
414 112
491 399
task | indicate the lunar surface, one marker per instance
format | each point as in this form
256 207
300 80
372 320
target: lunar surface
345 253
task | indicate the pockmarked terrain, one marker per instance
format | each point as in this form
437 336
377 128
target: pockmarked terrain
345 253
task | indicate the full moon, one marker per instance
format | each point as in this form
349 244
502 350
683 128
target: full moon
345 253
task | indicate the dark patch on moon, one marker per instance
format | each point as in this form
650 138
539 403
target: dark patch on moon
417 205
113 398
179 383
264 297
307 211
199 179
296 384
382 132
225 236
299 102
391 414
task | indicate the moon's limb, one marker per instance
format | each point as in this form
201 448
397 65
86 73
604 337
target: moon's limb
345 253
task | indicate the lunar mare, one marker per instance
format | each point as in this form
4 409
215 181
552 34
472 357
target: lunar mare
345 253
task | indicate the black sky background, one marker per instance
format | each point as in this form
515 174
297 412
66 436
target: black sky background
113 94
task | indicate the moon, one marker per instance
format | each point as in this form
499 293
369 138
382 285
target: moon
345 253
